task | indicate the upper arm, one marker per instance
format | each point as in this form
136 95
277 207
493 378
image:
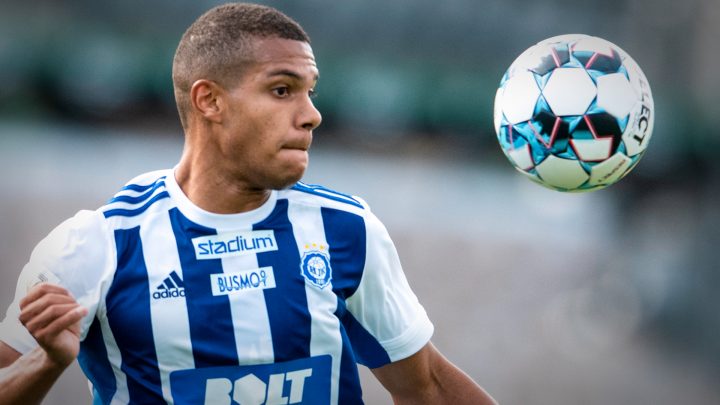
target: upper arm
8 355
74 255
403 377
427 377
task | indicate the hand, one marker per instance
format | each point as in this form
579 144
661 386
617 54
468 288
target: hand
52 316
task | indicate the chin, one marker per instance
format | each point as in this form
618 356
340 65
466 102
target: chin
289 180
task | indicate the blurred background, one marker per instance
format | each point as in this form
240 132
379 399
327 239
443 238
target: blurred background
542 297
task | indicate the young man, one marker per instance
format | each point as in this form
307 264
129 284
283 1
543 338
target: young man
226 279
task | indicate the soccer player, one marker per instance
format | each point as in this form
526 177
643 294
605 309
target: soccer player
226 279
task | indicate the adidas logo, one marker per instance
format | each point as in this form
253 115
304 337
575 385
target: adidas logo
171 287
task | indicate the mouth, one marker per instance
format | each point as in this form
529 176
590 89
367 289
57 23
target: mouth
295 148
301 145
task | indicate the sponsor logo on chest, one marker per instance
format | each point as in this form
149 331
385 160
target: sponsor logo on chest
231 244
245 280
303 381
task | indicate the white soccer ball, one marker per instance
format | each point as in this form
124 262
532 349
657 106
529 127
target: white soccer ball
574 113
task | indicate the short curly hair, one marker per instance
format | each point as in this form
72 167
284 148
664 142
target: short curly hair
217 46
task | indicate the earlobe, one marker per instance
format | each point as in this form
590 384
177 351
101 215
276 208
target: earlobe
205 98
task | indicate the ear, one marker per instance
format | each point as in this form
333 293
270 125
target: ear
205 98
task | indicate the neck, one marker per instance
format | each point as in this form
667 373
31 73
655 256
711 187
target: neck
212 189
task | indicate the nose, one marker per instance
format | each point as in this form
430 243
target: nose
310 117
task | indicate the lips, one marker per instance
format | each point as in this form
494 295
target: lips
300 144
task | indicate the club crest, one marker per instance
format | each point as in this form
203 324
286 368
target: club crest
315 267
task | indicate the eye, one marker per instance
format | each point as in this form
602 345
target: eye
282 91
312 93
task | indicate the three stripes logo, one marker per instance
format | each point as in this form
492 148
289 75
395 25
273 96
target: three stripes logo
171 287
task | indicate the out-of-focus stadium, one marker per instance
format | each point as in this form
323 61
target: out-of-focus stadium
542 297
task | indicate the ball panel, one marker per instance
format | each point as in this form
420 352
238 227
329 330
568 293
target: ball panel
497 111
519 97
609 171
597 54
592 150
562 173
642 117
639 130
593 45
522 157
569 91
615 94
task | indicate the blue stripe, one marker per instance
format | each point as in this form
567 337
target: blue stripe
321 191
286 304
138 187
94 362
211 327
137 211
128 303
366 348
139 198
349 389
346 235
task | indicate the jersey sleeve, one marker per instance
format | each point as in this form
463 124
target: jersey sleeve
385 305
76 255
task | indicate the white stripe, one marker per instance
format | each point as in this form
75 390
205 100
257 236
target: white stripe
331 193
170 324
134 193
122 396
130 206
325 327
253 339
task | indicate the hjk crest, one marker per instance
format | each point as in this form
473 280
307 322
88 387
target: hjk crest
315 267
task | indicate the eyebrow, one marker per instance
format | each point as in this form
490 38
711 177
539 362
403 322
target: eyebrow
290 73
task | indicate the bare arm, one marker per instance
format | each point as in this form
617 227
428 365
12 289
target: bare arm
429 378
52 316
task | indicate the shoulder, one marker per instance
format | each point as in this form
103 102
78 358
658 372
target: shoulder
84 227
344 211
79 244
137 195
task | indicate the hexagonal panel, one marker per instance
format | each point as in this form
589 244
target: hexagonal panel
615 94
569 91
519 97
562 173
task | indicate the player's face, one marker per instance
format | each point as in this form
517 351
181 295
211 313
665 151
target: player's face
271 115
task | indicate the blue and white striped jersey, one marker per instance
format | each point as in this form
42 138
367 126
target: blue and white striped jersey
271 306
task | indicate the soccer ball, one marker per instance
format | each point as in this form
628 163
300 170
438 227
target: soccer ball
574 113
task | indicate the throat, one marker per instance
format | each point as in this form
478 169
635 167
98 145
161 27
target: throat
218 195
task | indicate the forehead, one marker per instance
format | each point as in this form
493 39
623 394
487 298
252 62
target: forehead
272 54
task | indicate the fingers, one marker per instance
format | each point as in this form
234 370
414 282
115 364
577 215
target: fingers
42 297
49 309
54 318
42 289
